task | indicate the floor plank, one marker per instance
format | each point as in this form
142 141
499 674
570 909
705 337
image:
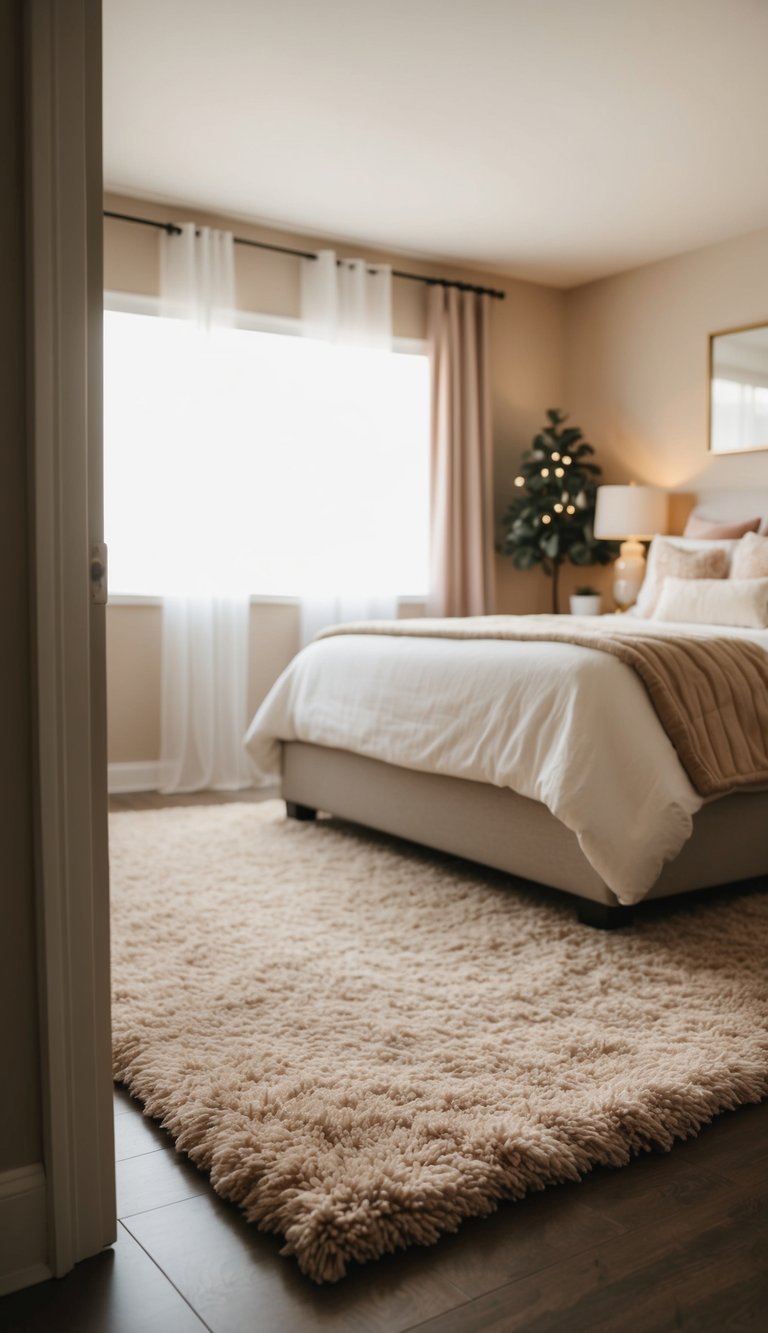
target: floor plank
228 1271
656 1183
734 1145
486 1253
703 1271
118 1291
123 1103
152 800
156 1179
137 1134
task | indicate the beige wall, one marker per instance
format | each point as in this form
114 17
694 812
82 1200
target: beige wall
527 377
636 363
636 370
20 1130
133 683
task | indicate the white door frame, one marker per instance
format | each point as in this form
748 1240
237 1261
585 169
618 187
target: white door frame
63 155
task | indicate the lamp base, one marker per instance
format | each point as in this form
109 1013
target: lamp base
628 574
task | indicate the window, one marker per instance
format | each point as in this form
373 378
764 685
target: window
308 472
739 414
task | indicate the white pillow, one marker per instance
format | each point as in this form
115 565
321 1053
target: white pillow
658 555
739 602
750 559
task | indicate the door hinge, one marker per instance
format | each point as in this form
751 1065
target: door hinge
99 574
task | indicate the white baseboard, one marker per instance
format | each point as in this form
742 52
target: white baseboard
122 779
145 776
24 1253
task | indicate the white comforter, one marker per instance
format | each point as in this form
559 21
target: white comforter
568 726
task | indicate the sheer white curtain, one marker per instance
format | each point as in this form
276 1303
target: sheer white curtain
206 608
346 302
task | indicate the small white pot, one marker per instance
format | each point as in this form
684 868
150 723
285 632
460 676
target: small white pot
586 605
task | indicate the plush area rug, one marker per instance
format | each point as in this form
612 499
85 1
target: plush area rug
364 1044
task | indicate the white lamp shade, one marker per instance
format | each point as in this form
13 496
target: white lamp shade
630 511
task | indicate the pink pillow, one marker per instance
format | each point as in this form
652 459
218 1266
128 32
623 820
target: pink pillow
712 529
750 559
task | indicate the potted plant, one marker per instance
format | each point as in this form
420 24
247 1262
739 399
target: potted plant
586 602
551 518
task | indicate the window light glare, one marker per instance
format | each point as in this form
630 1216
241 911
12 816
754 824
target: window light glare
264 529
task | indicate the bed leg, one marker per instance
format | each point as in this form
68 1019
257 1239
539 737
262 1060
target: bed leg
601 916
302 812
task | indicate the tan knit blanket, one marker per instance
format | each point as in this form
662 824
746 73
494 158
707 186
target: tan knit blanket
710 694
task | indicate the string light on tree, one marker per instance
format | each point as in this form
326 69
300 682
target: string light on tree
550 519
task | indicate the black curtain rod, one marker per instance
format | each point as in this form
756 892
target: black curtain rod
173 230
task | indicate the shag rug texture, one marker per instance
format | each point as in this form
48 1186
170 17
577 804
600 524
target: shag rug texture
364 1043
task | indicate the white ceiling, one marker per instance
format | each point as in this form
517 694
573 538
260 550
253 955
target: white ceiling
558 140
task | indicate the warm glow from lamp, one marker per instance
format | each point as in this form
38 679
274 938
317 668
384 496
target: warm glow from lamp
630 514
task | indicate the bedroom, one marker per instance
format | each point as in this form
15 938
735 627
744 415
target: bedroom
606 313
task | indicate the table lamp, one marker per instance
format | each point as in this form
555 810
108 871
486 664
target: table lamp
629 514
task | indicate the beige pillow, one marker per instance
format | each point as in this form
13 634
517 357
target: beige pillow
668 560
750 559
739 602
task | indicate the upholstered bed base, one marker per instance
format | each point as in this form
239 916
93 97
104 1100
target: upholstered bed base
498 828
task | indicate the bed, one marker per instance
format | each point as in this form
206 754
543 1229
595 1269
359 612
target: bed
545 760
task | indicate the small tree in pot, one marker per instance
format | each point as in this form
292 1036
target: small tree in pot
550 520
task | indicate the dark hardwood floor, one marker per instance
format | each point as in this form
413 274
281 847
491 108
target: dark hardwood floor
673 1241
150 800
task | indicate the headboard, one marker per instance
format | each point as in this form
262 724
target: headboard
728 506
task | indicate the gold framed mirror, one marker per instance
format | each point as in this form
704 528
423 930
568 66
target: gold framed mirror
738 390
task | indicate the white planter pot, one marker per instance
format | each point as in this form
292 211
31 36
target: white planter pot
586 605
